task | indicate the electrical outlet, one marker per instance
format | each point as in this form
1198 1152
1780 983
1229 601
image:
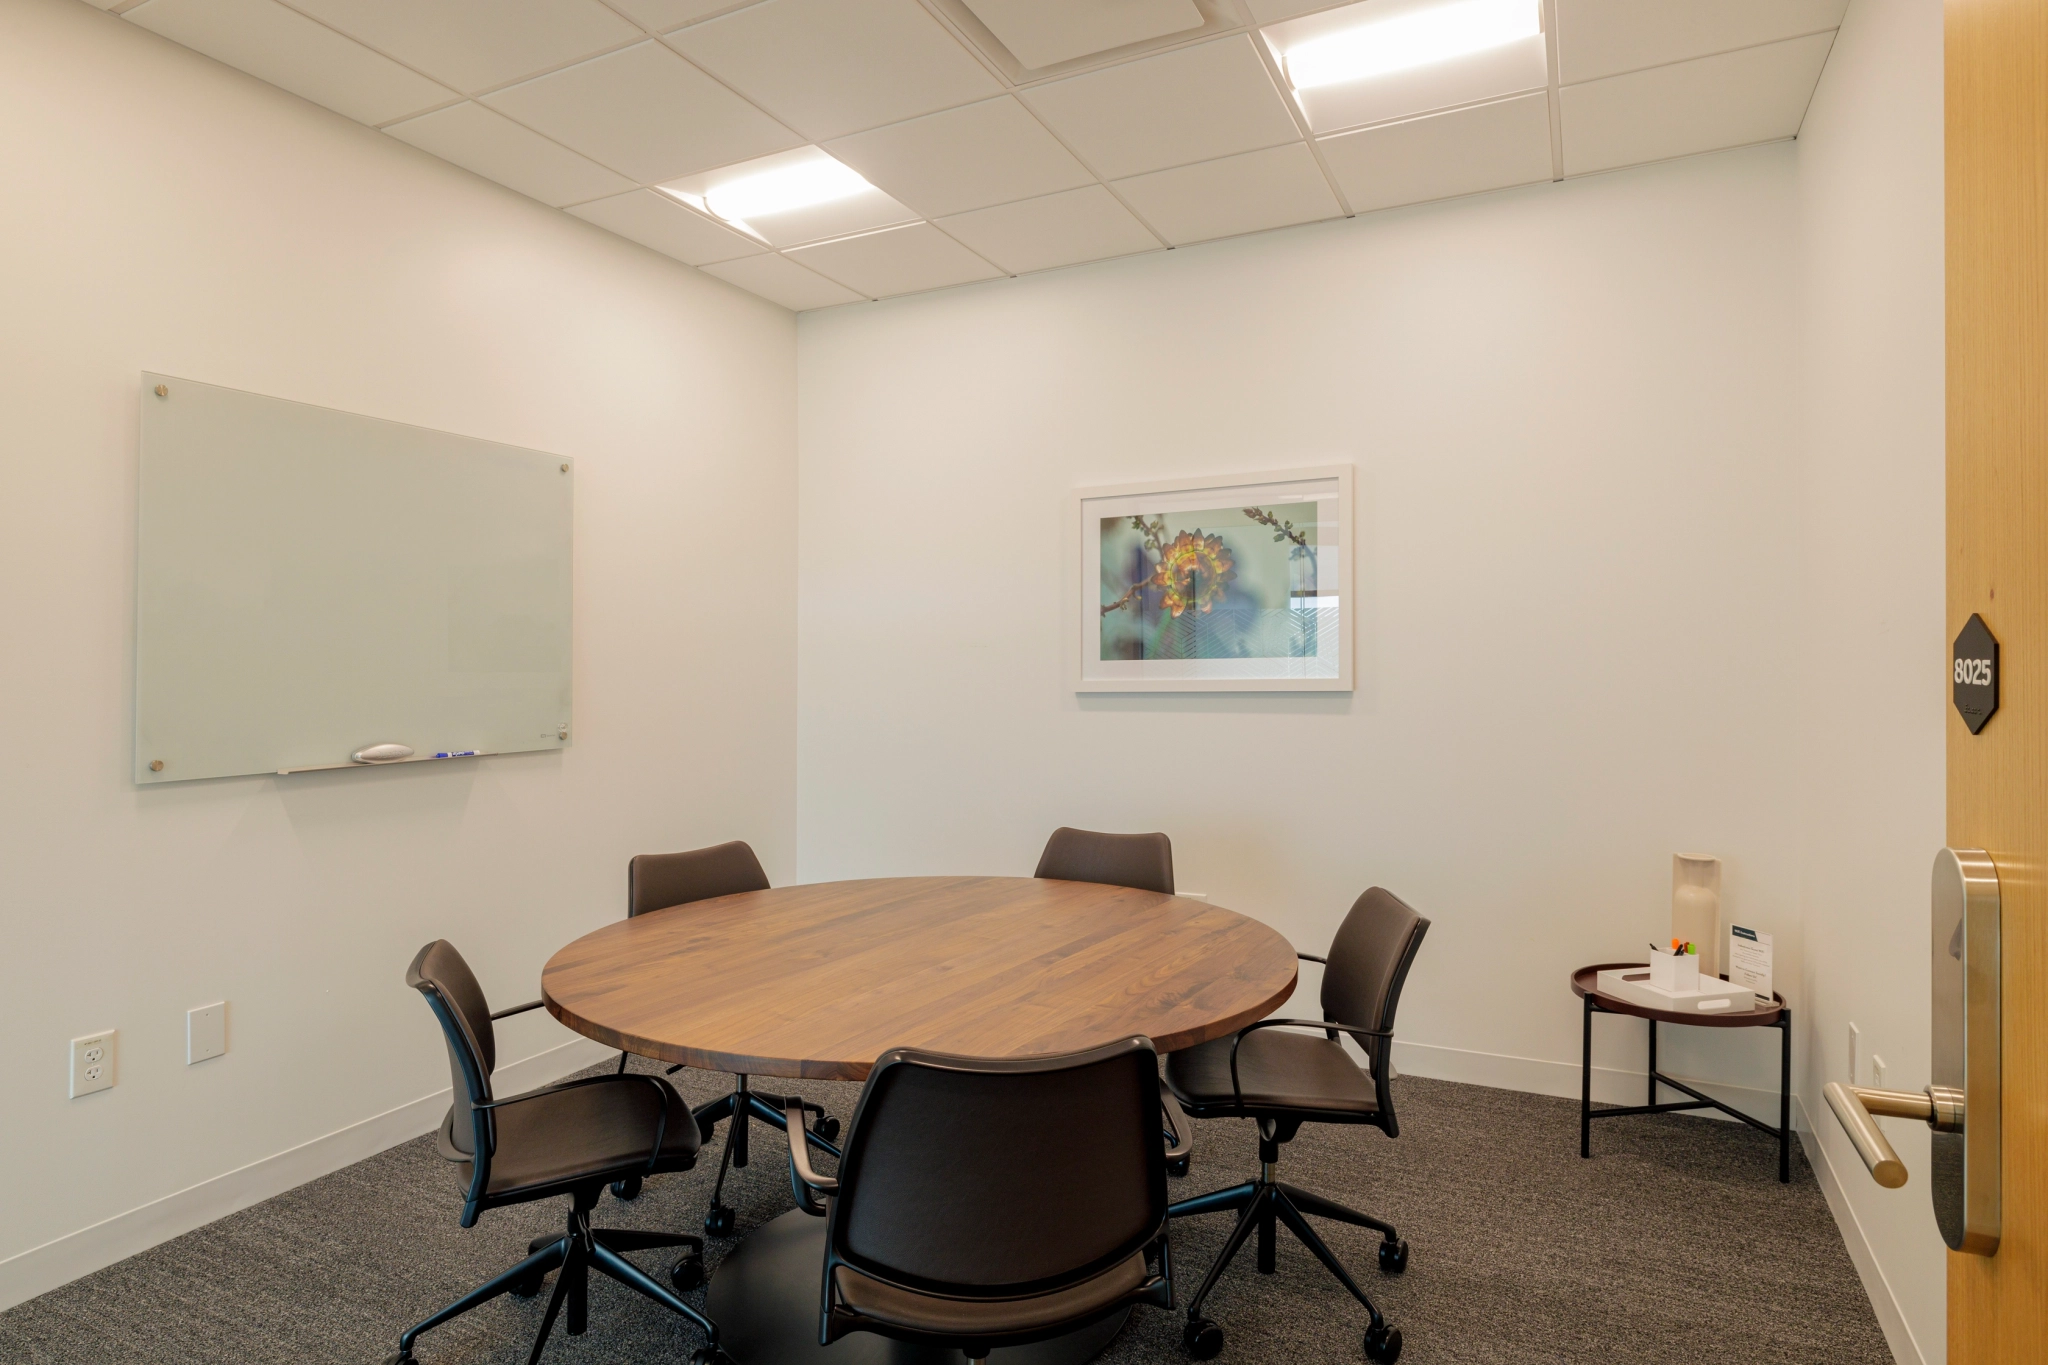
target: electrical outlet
206 1032
1876 1071
1855 1055
92 1063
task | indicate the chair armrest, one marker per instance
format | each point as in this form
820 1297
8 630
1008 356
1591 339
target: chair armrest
1356 1031
1178 1127
662 1088
517 1009
802 1178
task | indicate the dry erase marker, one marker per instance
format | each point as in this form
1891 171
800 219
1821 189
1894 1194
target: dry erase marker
460 753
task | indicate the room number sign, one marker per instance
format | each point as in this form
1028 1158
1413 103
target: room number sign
1973 673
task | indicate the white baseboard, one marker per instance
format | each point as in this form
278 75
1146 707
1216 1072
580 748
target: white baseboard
1536 1076
1898 1334
43 1268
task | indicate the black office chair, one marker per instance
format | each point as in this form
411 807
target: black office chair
1287 1079
569 1139
1143 862
656 881
960 1219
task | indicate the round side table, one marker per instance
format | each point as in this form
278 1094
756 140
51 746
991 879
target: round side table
1776 1015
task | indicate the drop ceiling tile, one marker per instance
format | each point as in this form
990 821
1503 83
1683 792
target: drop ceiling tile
1754 95
476 44
1248 193
783 281
967 158
1273 11
1087 224
292 52
644 112
1192 104
1042 32
659 16
832 67
657 221
1487 147
496 148
1604 37
898 260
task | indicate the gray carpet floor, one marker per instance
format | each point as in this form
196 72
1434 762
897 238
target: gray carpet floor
1675 1243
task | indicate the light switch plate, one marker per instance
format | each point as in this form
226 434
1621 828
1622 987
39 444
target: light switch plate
206 1032
92 1063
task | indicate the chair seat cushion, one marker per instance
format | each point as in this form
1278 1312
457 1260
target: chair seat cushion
1278 1070
562 1134
983 1320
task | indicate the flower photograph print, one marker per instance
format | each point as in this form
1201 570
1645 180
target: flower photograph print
1217 584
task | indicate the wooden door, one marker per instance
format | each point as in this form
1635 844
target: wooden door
1997 123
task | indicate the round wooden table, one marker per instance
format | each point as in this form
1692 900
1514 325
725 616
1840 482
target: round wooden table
818 981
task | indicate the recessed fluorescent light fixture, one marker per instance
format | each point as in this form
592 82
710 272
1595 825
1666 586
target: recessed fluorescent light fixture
1415 38
790 198
784 189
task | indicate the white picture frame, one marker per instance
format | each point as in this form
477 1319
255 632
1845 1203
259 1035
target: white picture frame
1285 584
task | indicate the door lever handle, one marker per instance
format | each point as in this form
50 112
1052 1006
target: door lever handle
1939 1107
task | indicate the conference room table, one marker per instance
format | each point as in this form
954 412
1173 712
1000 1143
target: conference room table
815 982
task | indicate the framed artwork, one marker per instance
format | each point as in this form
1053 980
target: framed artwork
1222 584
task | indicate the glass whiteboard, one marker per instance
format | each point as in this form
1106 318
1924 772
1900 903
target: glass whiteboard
310 583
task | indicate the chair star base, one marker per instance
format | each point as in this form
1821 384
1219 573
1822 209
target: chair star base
576 1252
1262 1205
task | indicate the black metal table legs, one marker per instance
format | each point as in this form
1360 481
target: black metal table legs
1694 1100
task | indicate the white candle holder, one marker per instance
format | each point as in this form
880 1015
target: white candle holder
1696 906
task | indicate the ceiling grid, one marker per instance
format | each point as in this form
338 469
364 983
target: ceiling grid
622 112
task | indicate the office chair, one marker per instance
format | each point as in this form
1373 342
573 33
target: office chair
1287 1079
656 881
958 1221
1143 862
570 1139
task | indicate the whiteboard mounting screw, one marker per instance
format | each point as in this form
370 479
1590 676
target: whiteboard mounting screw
156 765
562 733
565 469
162 391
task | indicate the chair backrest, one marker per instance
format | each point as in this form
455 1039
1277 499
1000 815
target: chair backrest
439 973
978 1177
1143 861
1368 964
655 881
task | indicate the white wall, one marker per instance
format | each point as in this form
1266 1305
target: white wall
165 212
1870 180
1573 412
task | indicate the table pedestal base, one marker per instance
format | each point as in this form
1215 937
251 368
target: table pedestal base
764 1299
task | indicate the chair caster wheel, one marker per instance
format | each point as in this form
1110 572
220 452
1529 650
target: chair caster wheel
401 1358
1394 1257
1180 1166
629 1188
525 1287
709 1355
1383 1344
826 1127
687 1273
719 1221
1202 1338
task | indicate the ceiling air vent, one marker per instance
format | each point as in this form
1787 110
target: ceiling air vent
1035 40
